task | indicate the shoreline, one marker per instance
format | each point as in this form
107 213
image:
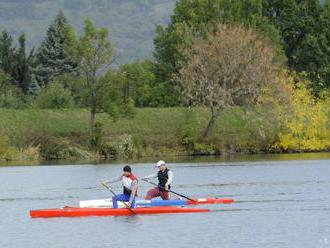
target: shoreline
37 135
227 158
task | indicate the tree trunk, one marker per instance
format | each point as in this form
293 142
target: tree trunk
92 120
92 126
210 126
93 107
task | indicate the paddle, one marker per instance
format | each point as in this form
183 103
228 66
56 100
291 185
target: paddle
106 186
170 191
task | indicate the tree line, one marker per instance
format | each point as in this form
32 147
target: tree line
299 29
213 53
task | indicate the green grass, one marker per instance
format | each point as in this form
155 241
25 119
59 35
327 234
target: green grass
156 127
55 122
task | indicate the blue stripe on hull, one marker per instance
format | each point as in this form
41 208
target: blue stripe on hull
156 202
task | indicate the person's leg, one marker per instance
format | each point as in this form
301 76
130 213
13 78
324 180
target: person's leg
152 193
126 198
165 195
114 202
117 198
133 203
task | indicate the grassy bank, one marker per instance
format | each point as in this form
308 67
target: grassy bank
59 134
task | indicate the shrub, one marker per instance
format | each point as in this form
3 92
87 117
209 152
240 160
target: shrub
7 152
30 153
125 146
54 96
73 83
205 149
108 151
10 95
60 148
306 125
11 99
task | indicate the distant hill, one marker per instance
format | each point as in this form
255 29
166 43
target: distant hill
131 22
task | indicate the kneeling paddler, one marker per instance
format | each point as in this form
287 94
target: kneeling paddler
130 185
165 178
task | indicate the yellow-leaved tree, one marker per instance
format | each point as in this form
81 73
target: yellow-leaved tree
306 119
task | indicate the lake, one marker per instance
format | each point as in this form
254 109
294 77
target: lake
282 201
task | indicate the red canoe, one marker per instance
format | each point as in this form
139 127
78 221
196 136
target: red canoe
80 212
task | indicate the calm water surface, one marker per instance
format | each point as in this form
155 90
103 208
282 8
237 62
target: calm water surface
280 203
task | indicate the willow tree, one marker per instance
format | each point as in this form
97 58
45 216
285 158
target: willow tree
227 68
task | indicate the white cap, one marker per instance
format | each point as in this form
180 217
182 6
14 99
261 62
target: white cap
160 162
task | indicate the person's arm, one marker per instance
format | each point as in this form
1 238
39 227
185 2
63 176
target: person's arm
133 191
152 176
169 180
113 180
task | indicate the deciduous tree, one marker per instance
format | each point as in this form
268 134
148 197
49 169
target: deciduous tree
94 56
228 68
304 27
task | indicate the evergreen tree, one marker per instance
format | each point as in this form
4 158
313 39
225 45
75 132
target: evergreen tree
15 62
23 63
53 56
7 51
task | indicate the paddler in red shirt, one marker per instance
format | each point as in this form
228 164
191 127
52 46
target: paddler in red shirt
130 185
165 178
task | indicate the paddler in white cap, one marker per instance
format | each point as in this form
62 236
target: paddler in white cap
165 178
